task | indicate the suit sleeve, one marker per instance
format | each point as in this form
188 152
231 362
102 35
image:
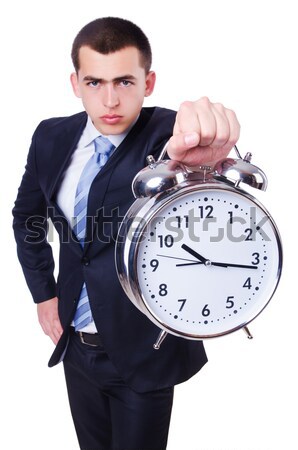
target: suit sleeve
30 228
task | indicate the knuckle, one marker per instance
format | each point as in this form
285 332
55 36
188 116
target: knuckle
223 132
207 135
186 105
220 108
232 116
221 140
205 100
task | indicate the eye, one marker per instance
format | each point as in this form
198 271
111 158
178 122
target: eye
125 83
93 83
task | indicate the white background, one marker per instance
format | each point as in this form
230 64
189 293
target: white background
241 53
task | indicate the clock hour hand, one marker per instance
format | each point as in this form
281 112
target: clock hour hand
197 255
194 263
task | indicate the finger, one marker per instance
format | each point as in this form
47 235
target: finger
56 332
187 119
234 127
179 144
48 330
222 133
234 134
207 121
199 117
53 329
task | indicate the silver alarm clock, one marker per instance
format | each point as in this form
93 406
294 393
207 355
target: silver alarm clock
196 253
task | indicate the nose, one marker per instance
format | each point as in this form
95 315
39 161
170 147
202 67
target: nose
111 99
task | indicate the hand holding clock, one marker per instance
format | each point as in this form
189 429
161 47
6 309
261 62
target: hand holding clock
204 133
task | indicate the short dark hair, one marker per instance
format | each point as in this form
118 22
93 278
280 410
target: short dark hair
110 34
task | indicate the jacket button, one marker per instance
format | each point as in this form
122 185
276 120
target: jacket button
85 261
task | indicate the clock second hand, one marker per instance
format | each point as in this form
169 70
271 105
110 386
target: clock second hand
191 261
207 262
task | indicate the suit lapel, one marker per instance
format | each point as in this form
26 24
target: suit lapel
66 143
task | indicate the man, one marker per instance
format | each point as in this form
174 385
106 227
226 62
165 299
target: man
120 389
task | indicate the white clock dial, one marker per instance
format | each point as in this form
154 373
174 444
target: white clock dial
208 262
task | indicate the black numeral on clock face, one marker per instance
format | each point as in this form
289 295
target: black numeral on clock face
256 260
182 301
247 283
206 311
182 220
154 263
248 232
163 290
205 212
165 241
229 302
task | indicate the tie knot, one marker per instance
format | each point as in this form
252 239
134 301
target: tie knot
103 145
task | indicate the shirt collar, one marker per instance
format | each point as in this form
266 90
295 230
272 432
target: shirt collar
90 133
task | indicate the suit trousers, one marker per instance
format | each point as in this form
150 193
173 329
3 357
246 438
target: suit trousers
108 414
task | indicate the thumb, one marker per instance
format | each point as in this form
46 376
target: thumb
191 140
180 143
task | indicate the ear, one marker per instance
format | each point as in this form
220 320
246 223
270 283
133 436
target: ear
150 83
75 84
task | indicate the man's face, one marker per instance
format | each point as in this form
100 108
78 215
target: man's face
112 87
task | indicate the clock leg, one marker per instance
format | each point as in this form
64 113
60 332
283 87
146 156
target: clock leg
249 335
162 335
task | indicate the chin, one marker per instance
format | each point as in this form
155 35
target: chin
110 129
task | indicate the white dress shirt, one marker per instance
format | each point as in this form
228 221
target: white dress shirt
67 191
83 152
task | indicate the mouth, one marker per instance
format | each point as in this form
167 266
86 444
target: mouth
111 119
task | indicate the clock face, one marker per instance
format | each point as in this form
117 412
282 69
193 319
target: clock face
208 262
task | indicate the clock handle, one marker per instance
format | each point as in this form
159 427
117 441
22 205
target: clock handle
249 335
246 158
163 152
161 337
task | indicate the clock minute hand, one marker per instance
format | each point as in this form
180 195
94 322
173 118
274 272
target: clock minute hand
242 266
207 262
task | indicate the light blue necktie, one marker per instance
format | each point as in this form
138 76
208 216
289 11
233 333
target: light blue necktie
103 149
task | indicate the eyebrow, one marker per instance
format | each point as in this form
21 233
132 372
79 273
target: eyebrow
122 77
